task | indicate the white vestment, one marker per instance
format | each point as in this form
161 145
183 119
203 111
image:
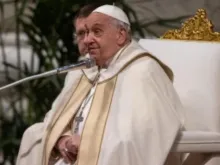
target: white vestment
84 109
134 118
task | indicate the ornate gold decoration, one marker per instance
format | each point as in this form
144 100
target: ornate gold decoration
197 28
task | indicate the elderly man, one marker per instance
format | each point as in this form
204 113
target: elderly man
124 111
32 137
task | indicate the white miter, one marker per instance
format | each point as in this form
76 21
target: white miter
114 12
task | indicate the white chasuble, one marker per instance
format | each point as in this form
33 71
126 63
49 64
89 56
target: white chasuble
138 125
134 117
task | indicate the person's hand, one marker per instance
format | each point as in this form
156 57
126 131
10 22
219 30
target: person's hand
68 147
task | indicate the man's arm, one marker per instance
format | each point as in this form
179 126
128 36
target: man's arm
34 133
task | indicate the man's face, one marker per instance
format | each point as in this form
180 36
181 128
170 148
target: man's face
103 37
80 35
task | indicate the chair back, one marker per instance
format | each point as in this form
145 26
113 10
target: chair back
193 54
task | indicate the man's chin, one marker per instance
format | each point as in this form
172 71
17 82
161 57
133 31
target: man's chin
93 55
97 60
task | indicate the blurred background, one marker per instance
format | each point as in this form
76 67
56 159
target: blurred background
37 36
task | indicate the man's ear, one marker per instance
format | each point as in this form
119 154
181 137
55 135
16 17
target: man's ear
122 36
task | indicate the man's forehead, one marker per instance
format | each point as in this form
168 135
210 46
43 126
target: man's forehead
97 18
80 23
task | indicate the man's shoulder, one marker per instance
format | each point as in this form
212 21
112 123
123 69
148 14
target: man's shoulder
145 62
148 66
73 76
138 68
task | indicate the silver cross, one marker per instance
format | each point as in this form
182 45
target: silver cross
78 120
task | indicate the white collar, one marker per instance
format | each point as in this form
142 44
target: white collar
121 58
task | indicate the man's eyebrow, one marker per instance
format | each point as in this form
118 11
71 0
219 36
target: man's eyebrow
97 24
81 30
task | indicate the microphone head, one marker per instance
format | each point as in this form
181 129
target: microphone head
90 62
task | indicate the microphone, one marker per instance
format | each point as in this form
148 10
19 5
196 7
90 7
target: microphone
84 64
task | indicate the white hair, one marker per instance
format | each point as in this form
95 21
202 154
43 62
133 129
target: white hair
123 25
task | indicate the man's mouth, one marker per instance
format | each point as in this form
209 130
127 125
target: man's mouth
92 50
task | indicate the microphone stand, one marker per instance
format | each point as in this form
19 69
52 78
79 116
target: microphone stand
88 63
49 73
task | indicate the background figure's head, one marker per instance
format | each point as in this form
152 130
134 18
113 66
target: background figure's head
79 23
108 31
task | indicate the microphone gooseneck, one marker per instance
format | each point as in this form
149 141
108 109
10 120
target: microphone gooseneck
87 63
84 64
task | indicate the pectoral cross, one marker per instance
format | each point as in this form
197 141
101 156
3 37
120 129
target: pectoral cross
78 120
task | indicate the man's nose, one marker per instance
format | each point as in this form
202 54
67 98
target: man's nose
87 39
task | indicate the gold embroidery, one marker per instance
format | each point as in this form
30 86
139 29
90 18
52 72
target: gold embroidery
166 69
94 127
197 28
66 116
